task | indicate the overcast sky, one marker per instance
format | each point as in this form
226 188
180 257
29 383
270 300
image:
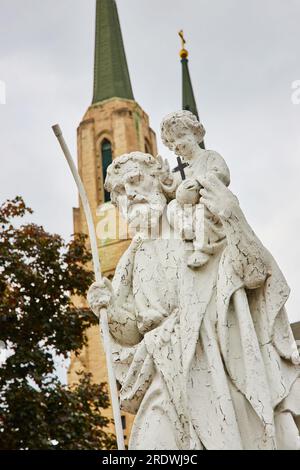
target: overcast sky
244 57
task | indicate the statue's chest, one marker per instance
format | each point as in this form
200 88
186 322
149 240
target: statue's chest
157 265
197 168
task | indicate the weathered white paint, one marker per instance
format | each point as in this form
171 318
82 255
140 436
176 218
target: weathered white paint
205 356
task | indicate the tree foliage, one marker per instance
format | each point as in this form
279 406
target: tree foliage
39 274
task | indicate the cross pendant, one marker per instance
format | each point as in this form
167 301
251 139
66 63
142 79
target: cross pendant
181 166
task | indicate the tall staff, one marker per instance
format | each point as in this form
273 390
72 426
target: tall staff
103 321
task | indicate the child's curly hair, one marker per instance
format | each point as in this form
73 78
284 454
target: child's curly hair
184 119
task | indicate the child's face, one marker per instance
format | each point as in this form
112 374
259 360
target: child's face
182 142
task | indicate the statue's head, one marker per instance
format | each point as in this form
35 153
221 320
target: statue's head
182 133
133 181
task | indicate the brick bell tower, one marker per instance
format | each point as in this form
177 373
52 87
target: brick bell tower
113 124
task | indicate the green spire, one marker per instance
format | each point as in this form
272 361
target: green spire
188 97
111 75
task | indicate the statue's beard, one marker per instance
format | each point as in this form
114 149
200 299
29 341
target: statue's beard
145 217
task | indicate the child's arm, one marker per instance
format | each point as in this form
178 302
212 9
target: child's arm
249 258
217 166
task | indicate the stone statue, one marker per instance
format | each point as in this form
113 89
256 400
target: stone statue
182 133
205 355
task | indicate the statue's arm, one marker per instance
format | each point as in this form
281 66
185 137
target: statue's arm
217 166
248 256
120 311
122 321
169 189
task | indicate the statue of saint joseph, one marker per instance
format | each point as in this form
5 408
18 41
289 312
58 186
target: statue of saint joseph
205 355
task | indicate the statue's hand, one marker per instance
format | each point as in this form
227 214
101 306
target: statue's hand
218 199
188 192
100 295
165 175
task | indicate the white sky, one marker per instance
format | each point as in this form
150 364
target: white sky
244 56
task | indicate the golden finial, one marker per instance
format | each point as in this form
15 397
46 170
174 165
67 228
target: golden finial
183 53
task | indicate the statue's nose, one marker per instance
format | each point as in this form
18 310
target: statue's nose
131 195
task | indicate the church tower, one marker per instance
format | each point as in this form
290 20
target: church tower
114 124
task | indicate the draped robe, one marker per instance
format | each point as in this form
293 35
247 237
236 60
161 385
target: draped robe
203 360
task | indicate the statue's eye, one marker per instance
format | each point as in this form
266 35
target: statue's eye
134 179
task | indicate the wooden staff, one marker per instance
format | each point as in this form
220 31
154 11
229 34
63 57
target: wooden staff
103 320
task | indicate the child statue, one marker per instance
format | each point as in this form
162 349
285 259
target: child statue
182 133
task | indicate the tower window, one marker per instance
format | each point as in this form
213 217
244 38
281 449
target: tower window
123 419
148 147
106 154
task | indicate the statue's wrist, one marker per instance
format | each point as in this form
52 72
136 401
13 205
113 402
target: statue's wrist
231 215
167 180
225 215
234 224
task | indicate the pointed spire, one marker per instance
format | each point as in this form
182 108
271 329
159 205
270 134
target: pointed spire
188 97
111 75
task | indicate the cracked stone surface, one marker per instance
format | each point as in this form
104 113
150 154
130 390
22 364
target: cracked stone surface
205 356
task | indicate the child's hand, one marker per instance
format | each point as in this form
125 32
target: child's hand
188 192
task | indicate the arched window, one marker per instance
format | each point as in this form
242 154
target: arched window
148 147
106 154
